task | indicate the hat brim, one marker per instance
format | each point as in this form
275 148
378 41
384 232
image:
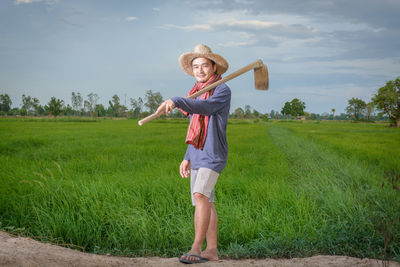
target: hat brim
185 60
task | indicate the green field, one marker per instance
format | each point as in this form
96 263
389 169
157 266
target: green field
289 188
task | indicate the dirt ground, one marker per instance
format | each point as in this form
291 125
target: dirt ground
19 251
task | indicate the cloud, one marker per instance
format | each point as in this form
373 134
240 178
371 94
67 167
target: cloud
130 18
194 27
156 9
235 44
252 32
245 24
383 13
17 2
47 2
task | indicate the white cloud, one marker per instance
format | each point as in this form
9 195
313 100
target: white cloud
17 2
156 9
194 27
235 44
250 24
252 32
130 18
47 2
230 23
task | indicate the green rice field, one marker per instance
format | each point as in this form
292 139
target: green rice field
290 188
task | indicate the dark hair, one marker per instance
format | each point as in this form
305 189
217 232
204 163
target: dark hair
212 62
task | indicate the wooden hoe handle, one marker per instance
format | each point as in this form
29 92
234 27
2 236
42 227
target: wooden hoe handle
254 65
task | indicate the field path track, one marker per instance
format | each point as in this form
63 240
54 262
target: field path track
20 251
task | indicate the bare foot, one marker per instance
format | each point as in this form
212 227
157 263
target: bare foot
210 254
191 258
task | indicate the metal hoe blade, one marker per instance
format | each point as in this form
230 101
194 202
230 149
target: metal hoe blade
261 80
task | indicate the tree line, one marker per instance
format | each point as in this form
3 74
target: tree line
386 101
82 107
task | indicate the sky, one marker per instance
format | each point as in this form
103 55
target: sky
323 52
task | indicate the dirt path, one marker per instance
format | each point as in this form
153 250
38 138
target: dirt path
19 251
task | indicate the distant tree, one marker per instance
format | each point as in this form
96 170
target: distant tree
297 107
238 113
247 111
153 100
387 100
37 108
91 103
55 106
272 114
114 105
27 107
325 115
286 110
76 100
115 108
356 108
312 116
343 116
294 108
137 107
99 110
5 103
333 113
369 111
67 111
123 111
256 114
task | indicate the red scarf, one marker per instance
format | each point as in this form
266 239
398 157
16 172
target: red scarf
197 131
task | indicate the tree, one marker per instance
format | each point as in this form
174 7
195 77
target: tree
272 114
115 108
286 110
369 111
76 102
67 111
153 100
333 113
325 115
294 108
312 116
356 108
387 100
38 109
238 113
297 107
55 106
137 106
27 106
100 110
256 114
5 103
91 103
247 111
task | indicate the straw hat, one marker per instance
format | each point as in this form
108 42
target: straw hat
185 60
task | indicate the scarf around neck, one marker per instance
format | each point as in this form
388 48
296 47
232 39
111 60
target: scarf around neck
197 130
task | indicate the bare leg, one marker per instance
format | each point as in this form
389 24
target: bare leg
202 216
211 252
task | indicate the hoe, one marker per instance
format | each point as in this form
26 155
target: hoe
260 79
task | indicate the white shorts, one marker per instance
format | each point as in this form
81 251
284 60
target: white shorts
203 181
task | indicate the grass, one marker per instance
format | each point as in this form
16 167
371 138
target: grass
289 189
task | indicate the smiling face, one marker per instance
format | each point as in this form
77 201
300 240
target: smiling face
203 69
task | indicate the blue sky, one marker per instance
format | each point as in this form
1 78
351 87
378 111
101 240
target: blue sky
321 51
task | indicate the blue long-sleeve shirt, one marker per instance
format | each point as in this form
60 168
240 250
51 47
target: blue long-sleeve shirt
215 151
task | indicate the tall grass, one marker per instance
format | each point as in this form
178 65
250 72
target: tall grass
114 187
